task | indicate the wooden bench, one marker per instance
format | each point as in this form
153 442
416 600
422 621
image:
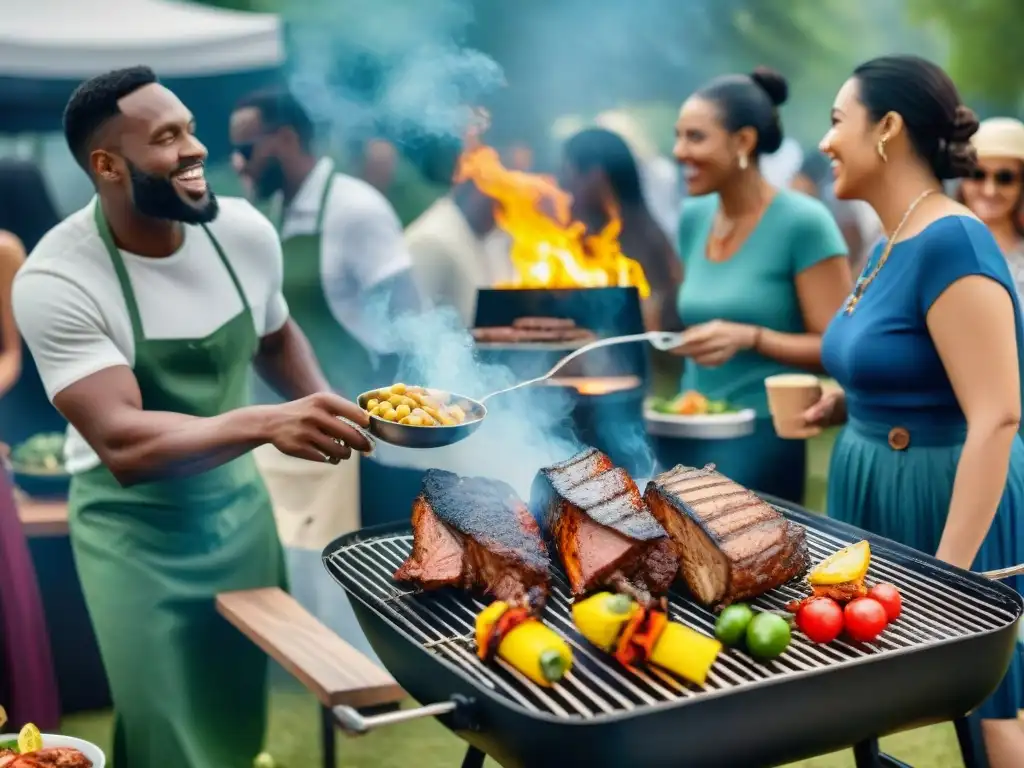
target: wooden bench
42 518
335 672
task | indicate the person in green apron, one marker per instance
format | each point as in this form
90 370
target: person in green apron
347 272
144 312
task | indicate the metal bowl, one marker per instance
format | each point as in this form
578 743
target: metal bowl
408 436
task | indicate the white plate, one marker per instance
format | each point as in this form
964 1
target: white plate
718 426
91 751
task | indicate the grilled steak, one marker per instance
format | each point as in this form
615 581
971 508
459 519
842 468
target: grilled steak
731 544
476 533
543 323
530 335
604 534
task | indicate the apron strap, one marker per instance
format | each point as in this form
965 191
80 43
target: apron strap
323 201
122 272
231 270
103 226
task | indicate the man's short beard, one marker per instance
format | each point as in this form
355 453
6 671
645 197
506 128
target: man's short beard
156 197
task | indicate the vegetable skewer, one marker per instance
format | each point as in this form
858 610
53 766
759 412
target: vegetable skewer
523 641
635 635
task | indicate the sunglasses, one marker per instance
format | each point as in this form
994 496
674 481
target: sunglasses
1002 178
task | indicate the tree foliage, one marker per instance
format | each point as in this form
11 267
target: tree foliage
986 45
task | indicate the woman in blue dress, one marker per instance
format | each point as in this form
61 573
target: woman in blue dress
927 349
764 270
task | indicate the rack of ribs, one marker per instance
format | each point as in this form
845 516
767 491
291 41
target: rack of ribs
477 534
603 532
732 545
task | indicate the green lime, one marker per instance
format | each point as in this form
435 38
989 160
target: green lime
732 623
768 636
717 406
264 760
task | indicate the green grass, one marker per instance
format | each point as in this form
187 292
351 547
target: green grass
294 736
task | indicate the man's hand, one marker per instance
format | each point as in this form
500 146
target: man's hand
312 428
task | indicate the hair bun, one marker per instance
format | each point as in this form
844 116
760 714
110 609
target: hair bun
965 124
773 84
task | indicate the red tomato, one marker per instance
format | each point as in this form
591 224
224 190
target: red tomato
821 619
865 619
890 599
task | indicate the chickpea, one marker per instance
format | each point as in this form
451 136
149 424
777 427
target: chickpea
412 421
416 397
372 403
398 389
391 415
429 419
457 413
384 393
447 420
402 411
375 411
396 400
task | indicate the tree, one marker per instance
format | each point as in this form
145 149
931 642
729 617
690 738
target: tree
986 56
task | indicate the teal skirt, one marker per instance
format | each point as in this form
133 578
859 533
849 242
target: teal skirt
904 496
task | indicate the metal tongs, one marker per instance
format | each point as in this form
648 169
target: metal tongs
660 340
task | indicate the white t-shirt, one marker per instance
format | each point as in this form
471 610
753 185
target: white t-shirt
361 246
72 313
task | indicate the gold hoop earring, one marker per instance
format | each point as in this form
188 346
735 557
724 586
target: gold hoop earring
744 162
881 151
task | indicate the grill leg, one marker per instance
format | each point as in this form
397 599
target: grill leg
972 743
327 737
474 758
867 755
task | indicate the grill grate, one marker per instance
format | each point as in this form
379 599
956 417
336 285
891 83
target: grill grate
443 622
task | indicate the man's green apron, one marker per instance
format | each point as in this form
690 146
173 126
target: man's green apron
344 360
189 690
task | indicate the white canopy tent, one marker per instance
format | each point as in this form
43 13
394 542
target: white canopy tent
73 39
208 56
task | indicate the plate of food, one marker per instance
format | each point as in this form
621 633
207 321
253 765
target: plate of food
32 749
694 416
38 466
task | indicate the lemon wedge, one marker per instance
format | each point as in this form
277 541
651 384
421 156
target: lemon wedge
30 739
3 717
846 565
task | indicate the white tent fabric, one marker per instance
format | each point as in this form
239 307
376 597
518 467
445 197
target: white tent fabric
74 39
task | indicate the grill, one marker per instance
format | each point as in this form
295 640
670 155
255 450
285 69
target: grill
947 652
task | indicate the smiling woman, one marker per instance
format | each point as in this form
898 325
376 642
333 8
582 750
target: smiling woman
995 189
764 270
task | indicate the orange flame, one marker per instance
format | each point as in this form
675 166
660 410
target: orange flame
549 249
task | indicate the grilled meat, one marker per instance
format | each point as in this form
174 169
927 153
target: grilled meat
530 335
731 544
543 323
54 757
604 534
476 533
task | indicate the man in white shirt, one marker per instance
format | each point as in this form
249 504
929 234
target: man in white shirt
347 275
347 272
144 312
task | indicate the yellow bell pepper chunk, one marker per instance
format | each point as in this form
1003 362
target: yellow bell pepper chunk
678 649
600 618
531 647
685 652
848 564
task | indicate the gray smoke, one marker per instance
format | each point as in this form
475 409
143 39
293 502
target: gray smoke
360 64
524 430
